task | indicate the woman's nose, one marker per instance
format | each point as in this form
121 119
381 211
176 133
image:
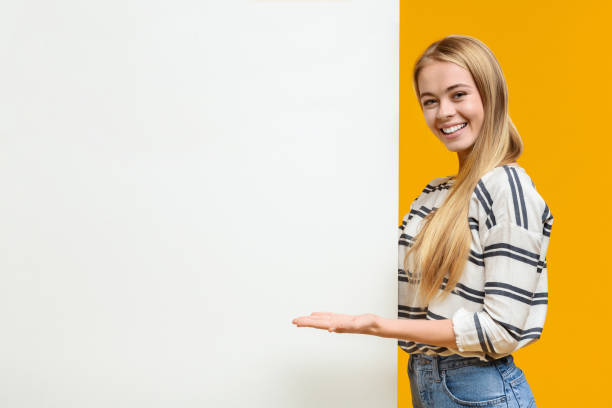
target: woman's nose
446 109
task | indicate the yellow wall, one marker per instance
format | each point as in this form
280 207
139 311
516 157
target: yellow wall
556 58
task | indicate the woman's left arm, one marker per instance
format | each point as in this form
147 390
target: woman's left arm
433 332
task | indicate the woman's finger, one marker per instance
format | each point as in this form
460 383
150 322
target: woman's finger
317 319
316 323
314 318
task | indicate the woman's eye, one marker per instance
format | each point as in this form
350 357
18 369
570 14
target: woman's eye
459 94
428 101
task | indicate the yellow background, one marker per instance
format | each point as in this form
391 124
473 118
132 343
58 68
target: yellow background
556 59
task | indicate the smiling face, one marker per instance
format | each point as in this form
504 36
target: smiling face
451 104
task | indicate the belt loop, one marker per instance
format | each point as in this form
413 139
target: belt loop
436 368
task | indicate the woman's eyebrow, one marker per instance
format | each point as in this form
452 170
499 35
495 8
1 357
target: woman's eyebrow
450 88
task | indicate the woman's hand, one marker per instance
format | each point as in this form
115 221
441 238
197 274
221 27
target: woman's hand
435 332
340 323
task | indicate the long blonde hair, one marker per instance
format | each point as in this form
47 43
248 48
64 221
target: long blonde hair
442 245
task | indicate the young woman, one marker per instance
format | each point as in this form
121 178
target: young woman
472 250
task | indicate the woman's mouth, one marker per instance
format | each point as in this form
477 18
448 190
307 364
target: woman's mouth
453 131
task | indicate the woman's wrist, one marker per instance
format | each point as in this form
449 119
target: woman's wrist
380 327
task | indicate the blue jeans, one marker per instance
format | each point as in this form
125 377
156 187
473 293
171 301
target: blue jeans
456 381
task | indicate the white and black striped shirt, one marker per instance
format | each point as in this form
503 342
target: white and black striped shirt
499 304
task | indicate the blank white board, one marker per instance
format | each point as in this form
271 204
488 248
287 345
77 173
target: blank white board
180 179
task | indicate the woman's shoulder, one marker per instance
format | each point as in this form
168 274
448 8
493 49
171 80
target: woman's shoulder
435 185
508 190
508 180
432 191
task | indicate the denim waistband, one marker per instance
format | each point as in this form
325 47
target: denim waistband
455 361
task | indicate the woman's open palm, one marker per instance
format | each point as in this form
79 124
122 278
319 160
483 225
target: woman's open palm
339 323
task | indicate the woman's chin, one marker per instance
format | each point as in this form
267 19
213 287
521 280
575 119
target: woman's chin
455 149
457 146
460 150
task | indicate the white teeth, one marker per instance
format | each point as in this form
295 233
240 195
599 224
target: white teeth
453 128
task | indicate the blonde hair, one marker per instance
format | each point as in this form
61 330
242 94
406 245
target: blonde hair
442 245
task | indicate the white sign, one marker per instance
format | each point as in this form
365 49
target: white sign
179 181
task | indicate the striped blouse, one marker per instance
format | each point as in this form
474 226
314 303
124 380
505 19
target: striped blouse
499 304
